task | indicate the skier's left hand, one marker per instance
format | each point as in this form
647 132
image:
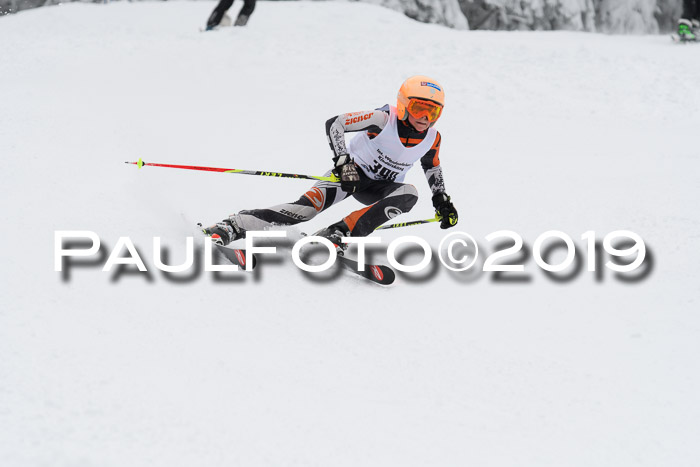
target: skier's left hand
445 211
349 178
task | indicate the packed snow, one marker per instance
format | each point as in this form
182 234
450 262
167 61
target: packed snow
541 131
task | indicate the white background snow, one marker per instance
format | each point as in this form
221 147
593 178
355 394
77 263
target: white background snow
541 131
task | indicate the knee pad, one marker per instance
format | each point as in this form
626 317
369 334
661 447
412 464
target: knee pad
404 197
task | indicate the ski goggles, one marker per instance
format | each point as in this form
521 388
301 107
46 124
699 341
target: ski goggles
419 108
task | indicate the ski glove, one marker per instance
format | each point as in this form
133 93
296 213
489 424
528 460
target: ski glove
346 170
445 211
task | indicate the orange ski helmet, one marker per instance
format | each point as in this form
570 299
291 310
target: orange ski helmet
420 96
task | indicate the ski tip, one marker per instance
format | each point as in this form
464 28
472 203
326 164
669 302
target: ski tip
385 276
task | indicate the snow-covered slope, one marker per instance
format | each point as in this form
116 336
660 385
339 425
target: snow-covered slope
541 131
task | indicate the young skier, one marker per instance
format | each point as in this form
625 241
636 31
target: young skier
371 169
221 9
689 24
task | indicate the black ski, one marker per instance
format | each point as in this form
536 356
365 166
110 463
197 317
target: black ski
237 256
379 274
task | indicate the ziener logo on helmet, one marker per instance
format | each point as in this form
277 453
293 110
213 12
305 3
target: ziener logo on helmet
426 83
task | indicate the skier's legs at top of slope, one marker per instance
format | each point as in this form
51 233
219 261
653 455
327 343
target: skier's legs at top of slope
689 24
222 8
371 169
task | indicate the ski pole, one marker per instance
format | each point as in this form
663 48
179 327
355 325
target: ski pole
141 163
408 224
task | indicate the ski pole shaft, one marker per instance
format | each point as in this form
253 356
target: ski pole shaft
408 224
331 178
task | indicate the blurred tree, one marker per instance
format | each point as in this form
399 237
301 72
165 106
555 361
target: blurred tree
445 12
612 16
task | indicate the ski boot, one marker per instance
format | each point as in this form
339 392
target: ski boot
242 20
224 232
335 233
686 31
212 24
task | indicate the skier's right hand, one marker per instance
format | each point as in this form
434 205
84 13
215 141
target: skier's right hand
346 170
